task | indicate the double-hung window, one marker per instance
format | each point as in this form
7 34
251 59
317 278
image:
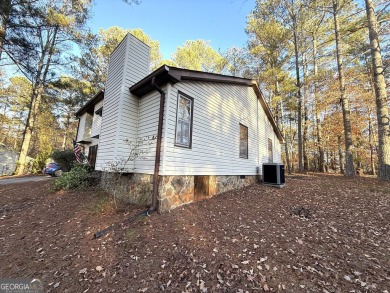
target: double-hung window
243 142
183 134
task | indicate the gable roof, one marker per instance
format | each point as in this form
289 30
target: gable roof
171 74
90 105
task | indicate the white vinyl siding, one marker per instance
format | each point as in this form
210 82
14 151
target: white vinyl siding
270 151
128 64
266 132
149 107
218 111
97 120
81 126
84 127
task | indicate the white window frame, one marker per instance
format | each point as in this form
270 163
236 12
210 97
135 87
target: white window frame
246 156
187 97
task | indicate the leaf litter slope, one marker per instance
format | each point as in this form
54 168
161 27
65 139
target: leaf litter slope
249 240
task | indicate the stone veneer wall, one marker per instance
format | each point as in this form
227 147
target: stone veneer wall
174 191
178 190
226 183
134 188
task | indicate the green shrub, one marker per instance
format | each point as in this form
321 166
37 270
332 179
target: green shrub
66 159
80 176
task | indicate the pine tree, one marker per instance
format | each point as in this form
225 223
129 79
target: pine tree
380 94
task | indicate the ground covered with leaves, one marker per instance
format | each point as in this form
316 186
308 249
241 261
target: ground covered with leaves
321 233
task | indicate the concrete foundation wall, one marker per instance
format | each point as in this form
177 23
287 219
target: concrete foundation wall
174 191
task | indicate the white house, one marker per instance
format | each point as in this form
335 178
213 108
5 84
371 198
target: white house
8 159
202 133
90 118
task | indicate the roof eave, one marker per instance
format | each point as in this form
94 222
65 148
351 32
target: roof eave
162 76
90 104
267 111
170 74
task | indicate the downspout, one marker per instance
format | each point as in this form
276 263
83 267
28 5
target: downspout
153 206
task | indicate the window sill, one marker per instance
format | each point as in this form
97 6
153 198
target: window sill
182 146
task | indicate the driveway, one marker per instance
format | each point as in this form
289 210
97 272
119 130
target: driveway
13 180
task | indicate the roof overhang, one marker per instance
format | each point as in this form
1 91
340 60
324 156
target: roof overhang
83 141
90 105
167 74
170 74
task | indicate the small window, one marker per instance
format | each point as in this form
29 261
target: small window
243 142
183 134
99 111
270 151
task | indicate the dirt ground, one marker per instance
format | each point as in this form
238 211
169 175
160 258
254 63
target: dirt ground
321 233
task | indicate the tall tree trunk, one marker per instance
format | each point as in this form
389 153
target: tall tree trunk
370 139
29 130
66 132
286 148
64 139
380 94
36 98
2 123
5 8
274 98
299 96
327 160
341 156
349 167
321 161
305 117
370 132
292 155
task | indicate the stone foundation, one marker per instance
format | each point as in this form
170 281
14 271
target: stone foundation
174 191
226 183
133 188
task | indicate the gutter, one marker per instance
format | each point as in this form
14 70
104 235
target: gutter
153 206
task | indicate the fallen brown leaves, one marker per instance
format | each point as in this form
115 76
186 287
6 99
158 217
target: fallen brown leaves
250 240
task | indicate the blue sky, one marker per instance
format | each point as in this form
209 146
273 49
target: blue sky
172 22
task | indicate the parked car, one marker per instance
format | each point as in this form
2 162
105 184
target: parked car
52 169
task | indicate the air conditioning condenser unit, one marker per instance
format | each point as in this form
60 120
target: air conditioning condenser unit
273 174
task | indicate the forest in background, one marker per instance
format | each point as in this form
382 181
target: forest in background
321 65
